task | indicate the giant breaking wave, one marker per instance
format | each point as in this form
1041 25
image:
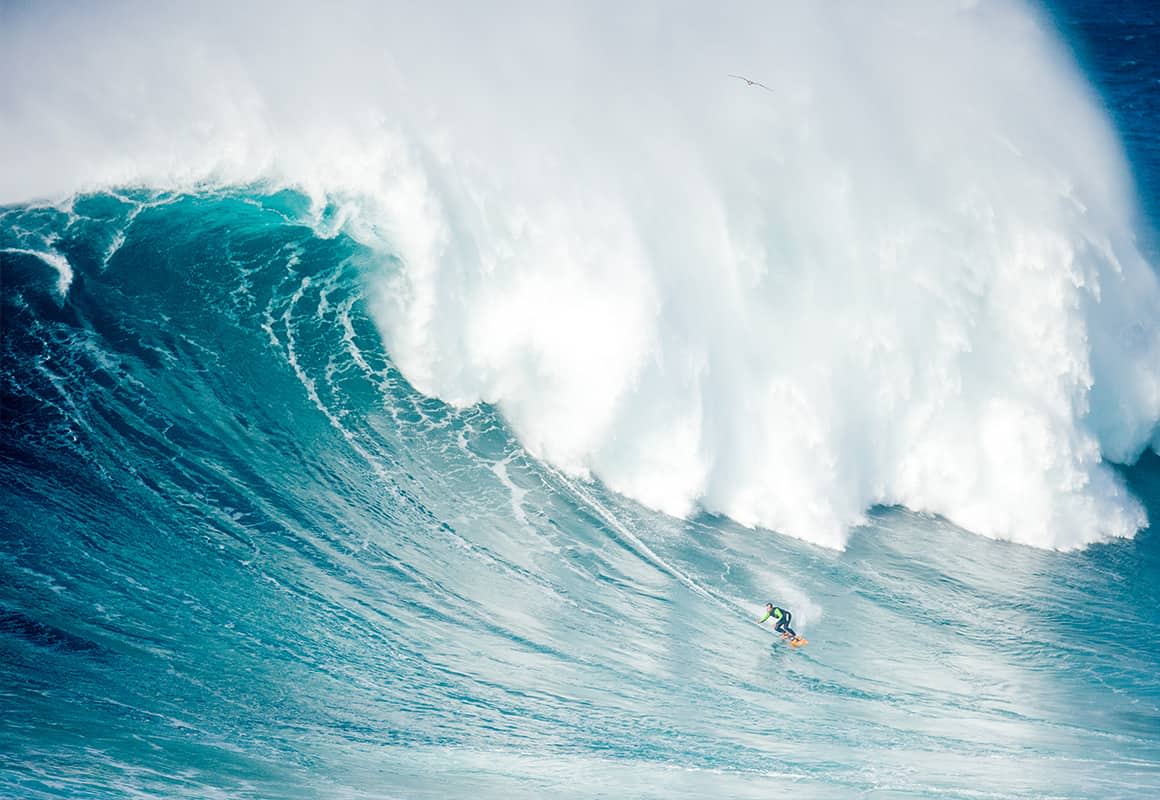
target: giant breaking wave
908 275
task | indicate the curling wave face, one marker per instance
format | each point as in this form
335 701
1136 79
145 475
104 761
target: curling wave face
242 557
907 275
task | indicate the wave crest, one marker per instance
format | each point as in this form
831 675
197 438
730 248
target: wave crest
906 275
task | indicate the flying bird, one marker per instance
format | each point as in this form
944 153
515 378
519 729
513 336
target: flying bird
751 82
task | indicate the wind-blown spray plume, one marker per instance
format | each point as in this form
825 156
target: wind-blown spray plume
908 275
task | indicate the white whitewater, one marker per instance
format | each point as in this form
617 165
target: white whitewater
907 275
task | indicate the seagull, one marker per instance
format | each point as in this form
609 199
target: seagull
751 83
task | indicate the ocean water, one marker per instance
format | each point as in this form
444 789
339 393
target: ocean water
424 404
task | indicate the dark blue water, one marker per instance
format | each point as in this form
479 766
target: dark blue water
241 556
1117 42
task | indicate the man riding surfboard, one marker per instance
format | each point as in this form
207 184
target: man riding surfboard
783 618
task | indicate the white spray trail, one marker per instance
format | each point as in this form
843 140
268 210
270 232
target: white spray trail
907 274
64 272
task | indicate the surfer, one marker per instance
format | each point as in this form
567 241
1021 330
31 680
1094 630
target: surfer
782 625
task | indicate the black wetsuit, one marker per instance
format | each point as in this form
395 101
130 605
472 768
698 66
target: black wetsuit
783 617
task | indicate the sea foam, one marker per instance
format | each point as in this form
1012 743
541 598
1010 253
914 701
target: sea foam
906 275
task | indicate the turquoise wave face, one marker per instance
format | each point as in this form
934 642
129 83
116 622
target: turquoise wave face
242 557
